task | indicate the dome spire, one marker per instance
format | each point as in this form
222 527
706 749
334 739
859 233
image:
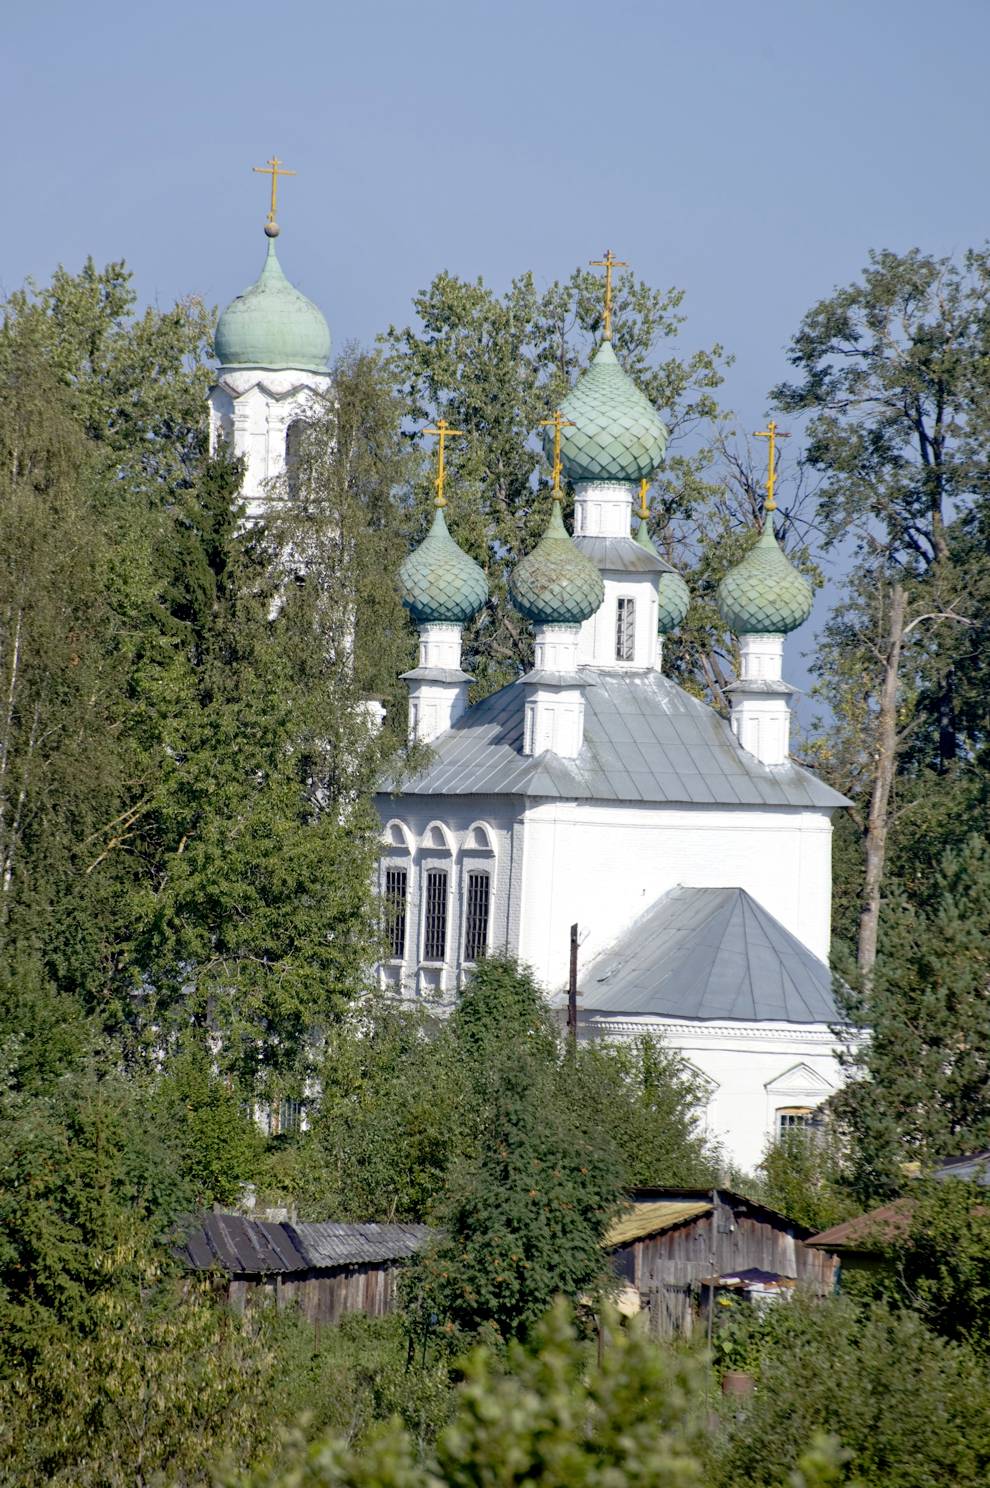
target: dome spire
443 432
273 168
442 588
765 594
556 423
556 584
608 263
272 326
440 583
771 433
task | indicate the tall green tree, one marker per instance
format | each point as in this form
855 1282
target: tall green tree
891 370
407 1099
921 1086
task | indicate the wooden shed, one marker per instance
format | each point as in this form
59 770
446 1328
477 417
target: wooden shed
675 1246
325 1269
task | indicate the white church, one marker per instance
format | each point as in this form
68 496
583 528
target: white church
693 854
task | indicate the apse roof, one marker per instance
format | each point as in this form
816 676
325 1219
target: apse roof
713 955
645 739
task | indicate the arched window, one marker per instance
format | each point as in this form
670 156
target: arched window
477 914
294 436
477 884
395 889
436 849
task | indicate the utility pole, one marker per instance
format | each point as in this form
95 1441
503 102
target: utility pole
572 1021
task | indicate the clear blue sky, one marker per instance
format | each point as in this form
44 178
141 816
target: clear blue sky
748 153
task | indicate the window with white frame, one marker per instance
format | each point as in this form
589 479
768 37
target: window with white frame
283 1117
396 902
625 628
477 912
795 1119
435 915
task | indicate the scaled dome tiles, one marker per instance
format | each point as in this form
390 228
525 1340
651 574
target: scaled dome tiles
439 582
764 594
556 584
273 326
617 434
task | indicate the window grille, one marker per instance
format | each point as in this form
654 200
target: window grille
396 887
284 1118
479 898
625 630
795 1118
435 924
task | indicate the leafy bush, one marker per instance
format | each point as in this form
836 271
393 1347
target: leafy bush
910 1409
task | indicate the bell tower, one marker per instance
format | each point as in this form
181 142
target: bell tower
273 346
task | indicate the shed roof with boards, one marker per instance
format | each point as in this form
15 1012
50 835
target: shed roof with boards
254 1247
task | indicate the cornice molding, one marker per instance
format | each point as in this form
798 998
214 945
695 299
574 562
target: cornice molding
708 1033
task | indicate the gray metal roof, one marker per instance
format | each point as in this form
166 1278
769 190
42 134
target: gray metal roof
973 1167
710 954
645 739
233 1243
621 555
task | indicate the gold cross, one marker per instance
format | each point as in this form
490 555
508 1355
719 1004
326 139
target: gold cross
644 510
771 433
443 431
608 263
556 423
273 169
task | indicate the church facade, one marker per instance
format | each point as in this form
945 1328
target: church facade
693 854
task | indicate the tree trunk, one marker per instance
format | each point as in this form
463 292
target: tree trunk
883 778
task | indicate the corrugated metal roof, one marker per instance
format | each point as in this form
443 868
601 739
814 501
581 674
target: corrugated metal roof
342 1244
645 739
709 954
239 1245
651 1219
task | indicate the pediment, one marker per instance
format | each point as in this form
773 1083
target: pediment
800 1079
707 1085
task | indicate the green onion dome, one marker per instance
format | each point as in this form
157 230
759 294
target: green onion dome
439 582
273 326
672 592
616 433
674 600
556 584
764 594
